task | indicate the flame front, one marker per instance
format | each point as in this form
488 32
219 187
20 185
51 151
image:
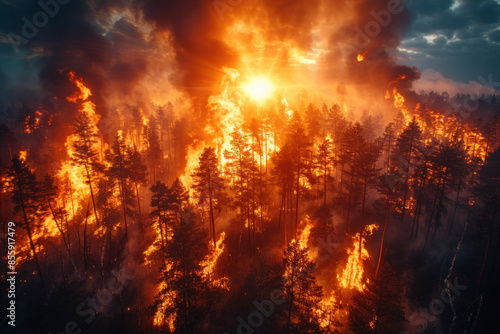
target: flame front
352 275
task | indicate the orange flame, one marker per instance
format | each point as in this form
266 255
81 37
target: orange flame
352 275
84 92
208 266
362 56
23 155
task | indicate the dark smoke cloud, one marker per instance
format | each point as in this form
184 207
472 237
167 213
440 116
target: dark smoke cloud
111 52
197 38
74 40
363 33
93 39
292 20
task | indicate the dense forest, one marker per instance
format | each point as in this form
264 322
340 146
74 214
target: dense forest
253 215
256 166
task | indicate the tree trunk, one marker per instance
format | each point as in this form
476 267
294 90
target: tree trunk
418 206
457 200
431 216
60 228
440 209
212 220
284 214
484 263
253 195
32 245
85 255
383 239
364 196
123 184
92 195
139 209
297 202
407 183
324 183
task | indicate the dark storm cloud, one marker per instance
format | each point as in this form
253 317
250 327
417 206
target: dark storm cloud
494 36
458 38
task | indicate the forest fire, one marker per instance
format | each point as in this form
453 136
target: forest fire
352 275
259 89
262 166
207 271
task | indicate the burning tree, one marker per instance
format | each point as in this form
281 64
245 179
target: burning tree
27 195
184 292
85 154
377 309
120 170
209 185
264 129
324 159
405 156
303 294
239 168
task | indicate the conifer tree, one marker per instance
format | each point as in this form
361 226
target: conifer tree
303 294
120 170
405 156
324 159
239 168
283 176
209 185
59 214
27 195
84 154
300 145
160 203
377 309
185 284
138 176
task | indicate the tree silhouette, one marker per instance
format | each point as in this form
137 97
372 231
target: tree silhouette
184 284
153 147
160 203
300 146
487 191
27 196
138 176
377 309
324 160
84 153
59 213
448 166
209 185
120 170
240 169
405 156
303 294
283 176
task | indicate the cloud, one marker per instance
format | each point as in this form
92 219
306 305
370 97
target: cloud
432 80
494 36
460 38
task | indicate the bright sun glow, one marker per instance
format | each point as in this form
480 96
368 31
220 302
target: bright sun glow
259 89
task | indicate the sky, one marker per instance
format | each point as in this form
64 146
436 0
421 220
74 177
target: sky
460 39
453 43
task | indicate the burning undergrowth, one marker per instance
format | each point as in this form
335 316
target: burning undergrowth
264 152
